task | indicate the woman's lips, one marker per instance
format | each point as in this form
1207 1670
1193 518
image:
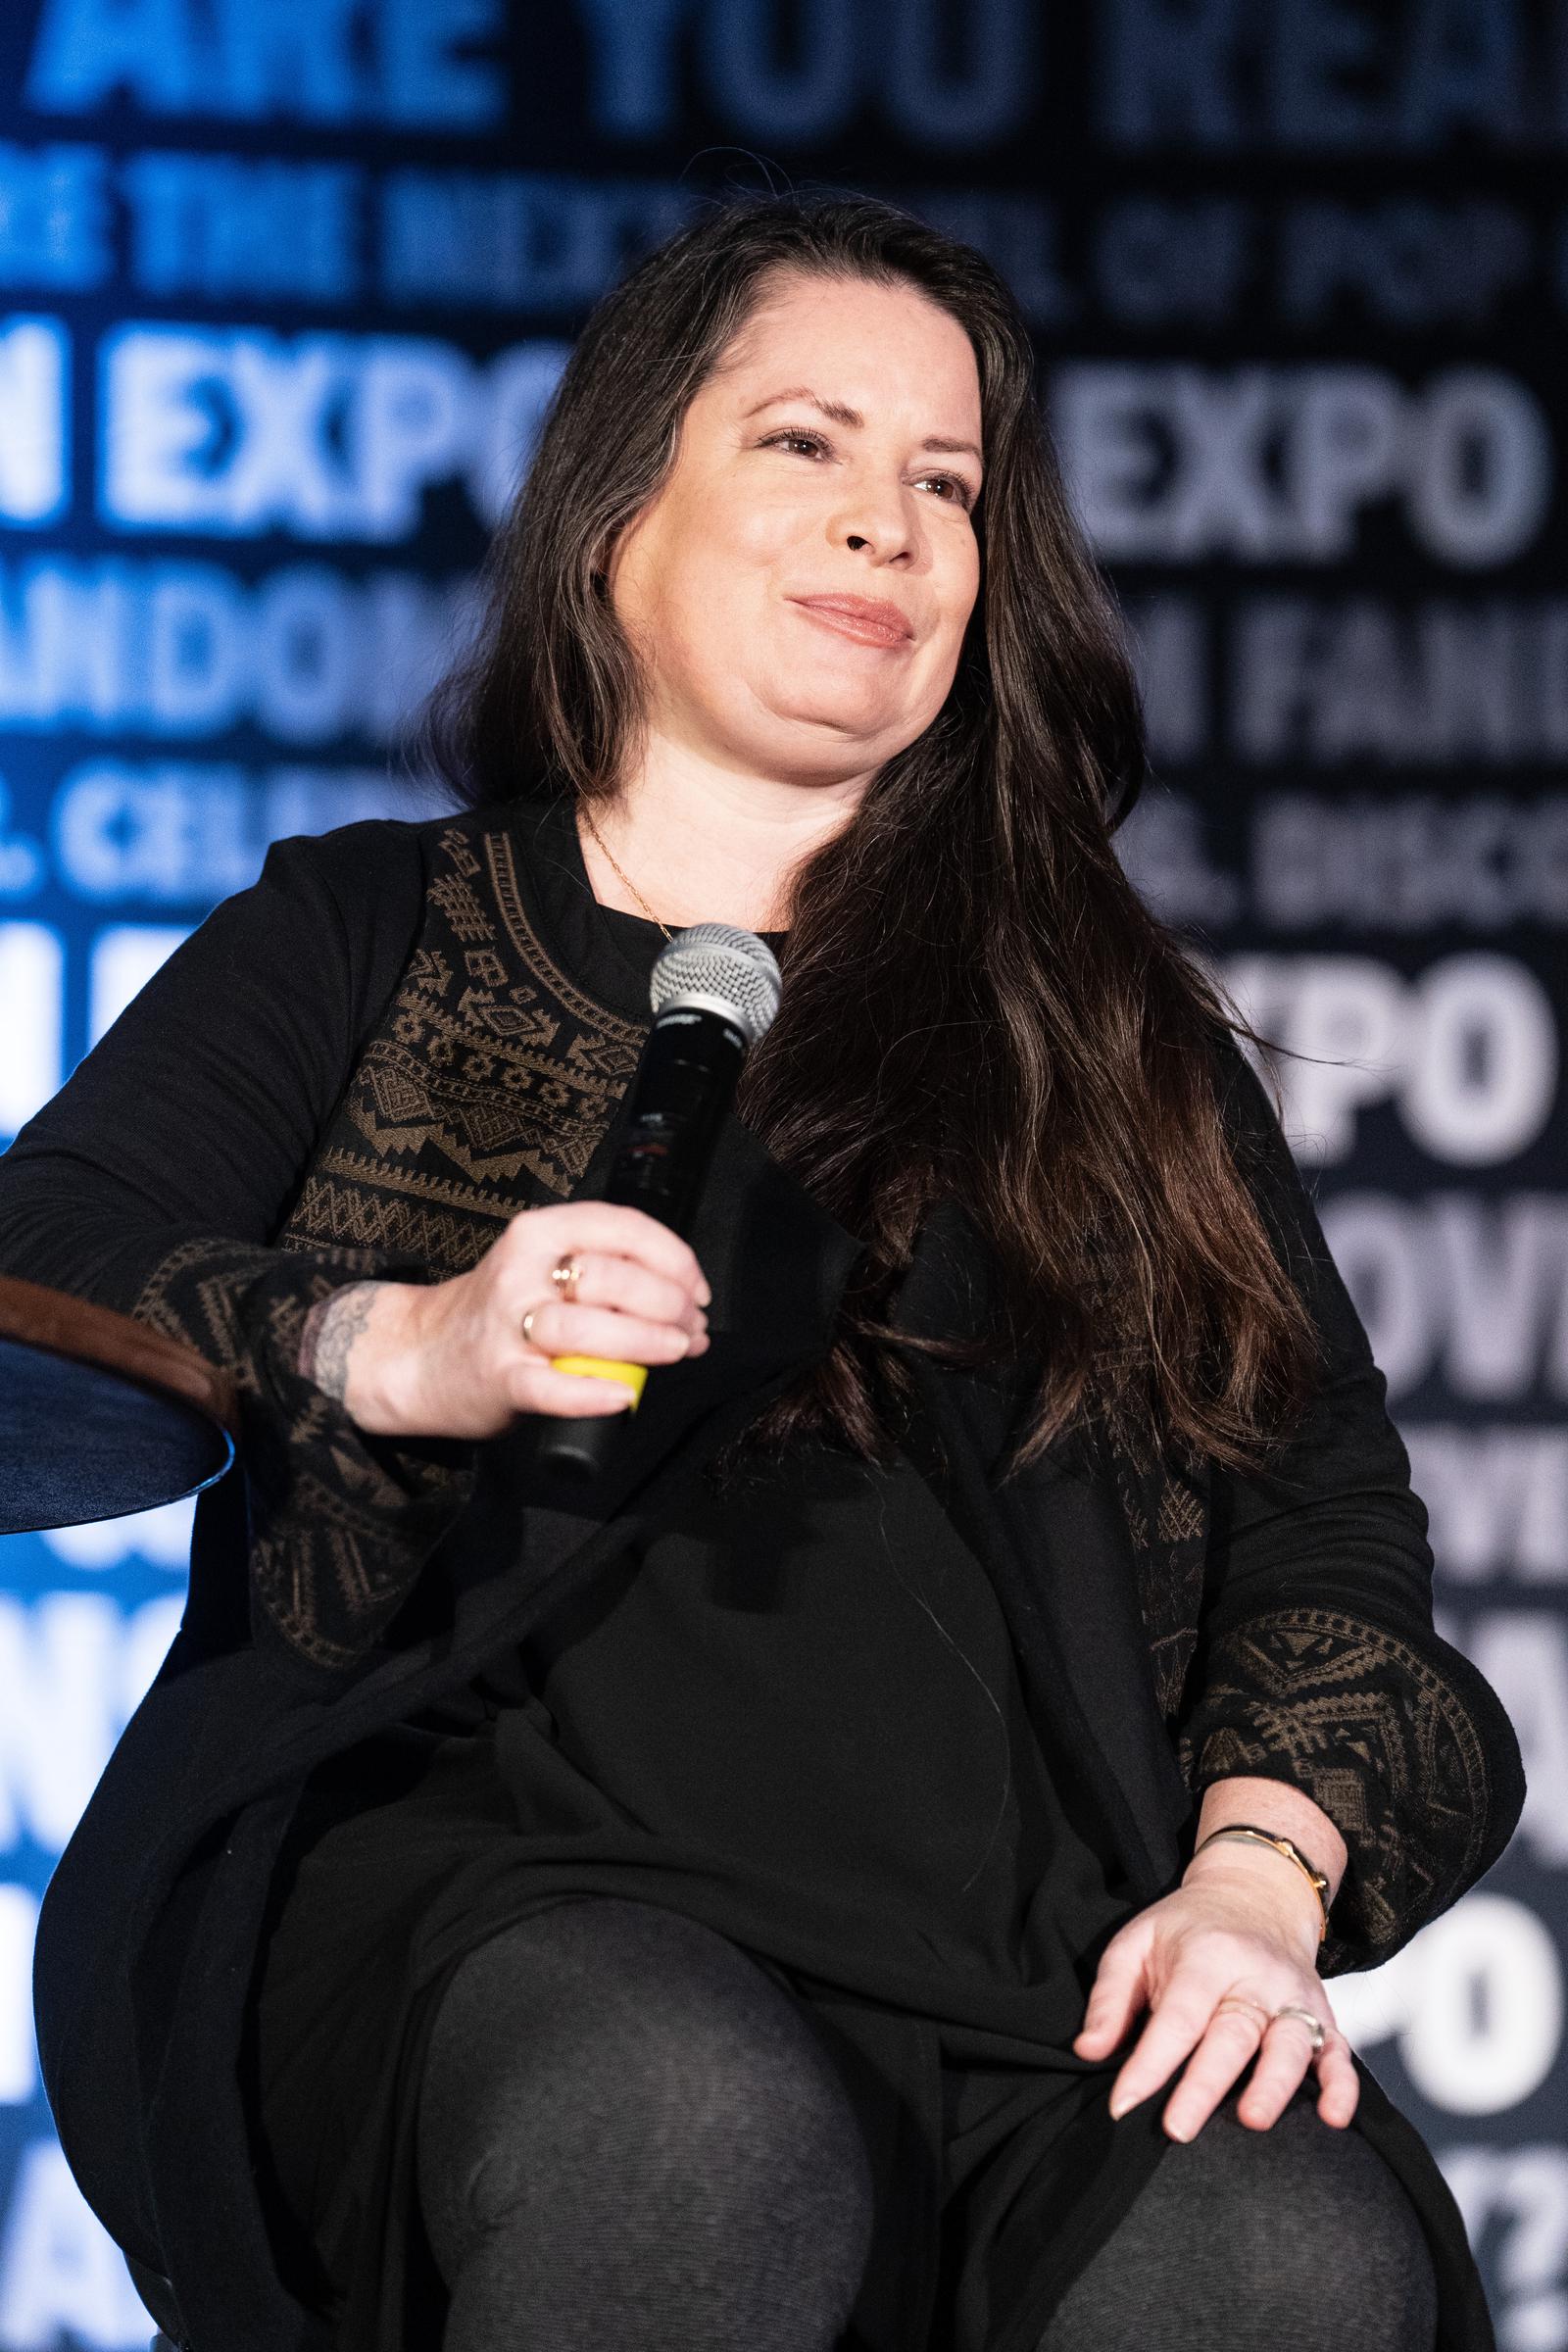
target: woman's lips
849 621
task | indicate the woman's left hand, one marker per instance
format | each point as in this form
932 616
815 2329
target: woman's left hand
1227 1931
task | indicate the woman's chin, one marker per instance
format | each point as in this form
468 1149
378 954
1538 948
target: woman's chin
848 709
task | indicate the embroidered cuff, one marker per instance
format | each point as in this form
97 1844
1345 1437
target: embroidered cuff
1367 1726
341 1521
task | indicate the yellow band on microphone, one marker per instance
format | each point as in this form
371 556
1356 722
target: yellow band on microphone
604 1367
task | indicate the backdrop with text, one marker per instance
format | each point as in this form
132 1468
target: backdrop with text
283 290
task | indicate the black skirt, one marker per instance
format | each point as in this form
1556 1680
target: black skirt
793 1716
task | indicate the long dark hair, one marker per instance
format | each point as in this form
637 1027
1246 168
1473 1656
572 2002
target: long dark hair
977 1002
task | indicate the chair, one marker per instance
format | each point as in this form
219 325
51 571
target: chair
100 1415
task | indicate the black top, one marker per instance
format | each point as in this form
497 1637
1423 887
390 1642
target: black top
365 1065
795 1714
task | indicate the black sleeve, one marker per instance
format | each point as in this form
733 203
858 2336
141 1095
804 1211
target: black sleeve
1317 1662
156 1180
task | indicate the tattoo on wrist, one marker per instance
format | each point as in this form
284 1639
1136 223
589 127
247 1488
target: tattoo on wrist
330 1330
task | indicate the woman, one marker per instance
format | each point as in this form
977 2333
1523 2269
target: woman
865 1876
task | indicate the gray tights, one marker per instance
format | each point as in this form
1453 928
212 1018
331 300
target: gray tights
628 2136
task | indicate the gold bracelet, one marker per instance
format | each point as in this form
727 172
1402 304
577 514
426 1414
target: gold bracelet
1283 1845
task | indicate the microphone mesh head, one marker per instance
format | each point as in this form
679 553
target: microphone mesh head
720 968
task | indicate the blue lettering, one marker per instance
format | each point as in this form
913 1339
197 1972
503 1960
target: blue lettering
86 50
1170 74
1315 40
633 92
401 62
427 81
995 94
809 100
217 226
1463 68
54 218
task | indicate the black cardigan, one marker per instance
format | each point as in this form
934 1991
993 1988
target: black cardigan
363 1065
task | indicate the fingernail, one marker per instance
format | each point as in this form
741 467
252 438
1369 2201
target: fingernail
1178 2132
1119 2106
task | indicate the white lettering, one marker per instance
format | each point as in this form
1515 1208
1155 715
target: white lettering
1473 1291
19 2055
1528 2188
1469 456
1475 2002
35 410
1353 679
74 1670
185 649
1496 1498
414 413
1408 861
1467 1053
33 974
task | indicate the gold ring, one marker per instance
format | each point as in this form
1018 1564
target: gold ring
563 1274
1310 2018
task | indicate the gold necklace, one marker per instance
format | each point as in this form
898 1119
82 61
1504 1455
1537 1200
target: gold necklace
624 877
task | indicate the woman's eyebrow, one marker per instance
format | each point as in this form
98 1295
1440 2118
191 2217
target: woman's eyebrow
840 414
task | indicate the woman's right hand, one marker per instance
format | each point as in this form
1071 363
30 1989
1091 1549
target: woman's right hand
448 1359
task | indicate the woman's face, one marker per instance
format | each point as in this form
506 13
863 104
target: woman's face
833 454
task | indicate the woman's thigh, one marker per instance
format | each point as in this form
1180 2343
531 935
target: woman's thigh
1300 2239
629 2131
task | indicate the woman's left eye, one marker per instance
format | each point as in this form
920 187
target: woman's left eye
817 446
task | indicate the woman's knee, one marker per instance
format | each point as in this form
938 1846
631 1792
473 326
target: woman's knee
1301 2236
609 2053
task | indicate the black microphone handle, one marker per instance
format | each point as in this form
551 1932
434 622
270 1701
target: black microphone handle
684 1085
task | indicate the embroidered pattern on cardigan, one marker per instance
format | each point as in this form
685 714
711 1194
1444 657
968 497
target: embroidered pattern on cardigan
486 1088
340 1523
1379 1739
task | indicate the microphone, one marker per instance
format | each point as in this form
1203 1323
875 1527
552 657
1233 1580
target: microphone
714 991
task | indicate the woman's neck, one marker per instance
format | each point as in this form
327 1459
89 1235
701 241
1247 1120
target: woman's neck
708 845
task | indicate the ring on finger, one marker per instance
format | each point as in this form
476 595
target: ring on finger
1239 2000
528 1338
1309 2016
565 1274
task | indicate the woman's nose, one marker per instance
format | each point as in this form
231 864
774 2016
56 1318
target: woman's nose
880 521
